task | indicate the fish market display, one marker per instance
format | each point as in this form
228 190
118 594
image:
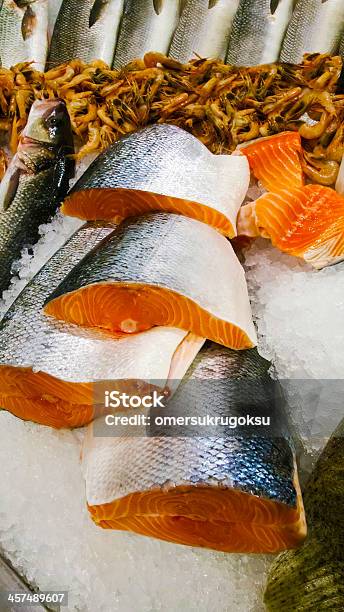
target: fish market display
257 32
53 10
312 577
203 29
85 30
276 160
228 492
315 27
23 32
146 25
162 168
160 269
221 105
47 369
35 182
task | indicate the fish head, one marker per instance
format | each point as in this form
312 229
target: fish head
49 124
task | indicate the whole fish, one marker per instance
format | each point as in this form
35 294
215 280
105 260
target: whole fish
162 167
203 29
146 26
230 490
48 369
23 32
312 577
85 30
35 182
53 10
155 270
257 31
315 27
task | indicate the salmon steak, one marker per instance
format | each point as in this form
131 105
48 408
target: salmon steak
307 222
48 369
159 269
228 491
276 160
161 168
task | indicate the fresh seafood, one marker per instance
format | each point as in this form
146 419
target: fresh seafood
276 160
257 32
221 105
162 168
312 577
35 182
315 27
145 26
48 370
23 32
307 222
203 29
53 10
3 163
160 269
228 492
85 31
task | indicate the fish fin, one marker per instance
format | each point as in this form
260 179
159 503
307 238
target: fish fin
63 172
29 23
212 3
158 6
96 12
274 6
9 188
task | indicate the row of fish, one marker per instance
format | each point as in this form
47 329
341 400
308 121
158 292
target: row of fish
242 32
134 303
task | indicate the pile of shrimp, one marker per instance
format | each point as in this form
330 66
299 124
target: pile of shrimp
221 105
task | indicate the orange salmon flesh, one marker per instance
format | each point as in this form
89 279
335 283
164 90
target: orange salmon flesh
118 204
210 517
135 308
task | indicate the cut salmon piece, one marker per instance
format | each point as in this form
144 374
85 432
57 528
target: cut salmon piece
307 222
229 491
276 160
160 269
161 168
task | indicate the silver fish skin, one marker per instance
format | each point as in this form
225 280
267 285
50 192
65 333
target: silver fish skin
219 382
312 577
341 48
315 27
203 29
83 33
257 31
143 29
35 182
23 32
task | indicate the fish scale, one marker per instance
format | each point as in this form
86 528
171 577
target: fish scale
14 25
224 486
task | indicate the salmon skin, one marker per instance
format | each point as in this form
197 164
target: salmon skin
276 160
307 222
35 182
312 577
155 270
231 493
48 369
162 168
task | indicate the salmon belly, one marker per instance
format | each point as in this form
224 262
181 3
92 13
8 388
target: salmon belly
134 308
222 519
118 204
276 161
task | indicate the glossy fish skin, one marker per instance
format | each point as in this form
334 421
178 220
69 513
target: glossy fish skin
315 27
257 34
35 182
162 160
203 29
143 29
312 577
154 270
40 357
75 38
227 492
23 32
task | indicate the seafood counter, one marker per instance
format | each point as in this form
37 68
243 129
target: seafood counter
172 226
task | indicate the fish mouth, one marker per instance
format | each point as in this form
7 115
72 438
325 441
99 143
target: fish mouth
49 123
